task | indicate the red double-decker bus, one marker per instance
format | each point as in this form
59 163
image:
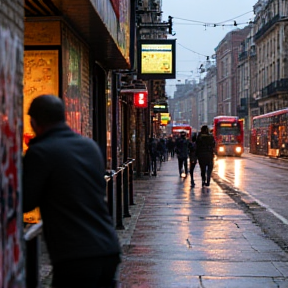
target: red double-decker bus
228 133
269 134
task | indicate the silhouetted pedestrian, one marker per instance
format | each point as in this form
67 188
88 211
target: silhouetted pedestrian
171 146
161 148
192 158
182 153
63 174
153 152
205 145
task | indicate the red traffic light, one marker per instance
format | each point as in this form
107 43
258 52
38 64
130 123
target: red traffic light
141 99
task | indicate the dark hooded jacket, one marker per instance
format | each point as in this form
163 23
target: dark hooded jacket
205 145
182 147
63 174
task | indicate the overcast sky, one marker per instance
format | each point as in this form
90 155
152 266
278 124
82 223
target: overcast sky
193 25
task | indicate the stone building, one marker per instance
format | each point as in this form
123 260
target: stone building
179 105
270 34
227 61
247 105
211 84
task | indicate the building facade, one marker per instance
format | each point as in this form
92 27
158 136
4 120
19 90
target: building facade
270 34
211 84
227 61
262 69
65 56
75 50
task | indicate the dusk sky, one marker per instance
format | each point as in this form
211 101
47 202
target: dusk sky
199 26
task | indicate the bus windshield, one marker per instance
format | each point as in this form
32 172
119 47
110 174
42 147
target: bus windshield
228 129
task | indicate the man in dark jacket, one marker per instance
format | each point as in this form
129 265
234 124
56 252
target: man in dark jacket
192 158
171 146
152 147
182 153
205 145
63 174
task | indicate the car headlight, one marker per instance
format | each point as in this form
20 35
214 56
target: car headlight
221 149
238 149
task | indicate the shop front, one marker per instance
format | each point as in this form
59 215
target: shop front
71 50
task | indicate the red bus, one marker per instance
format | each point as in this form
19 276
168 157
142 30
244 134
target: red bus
269 134
228 133
176 129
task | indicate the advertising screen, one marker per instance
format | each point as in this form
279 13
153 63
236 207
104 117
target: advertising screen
156 59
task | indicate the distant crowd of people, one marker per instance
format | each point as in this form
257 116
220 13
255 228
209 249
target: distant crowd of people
199 149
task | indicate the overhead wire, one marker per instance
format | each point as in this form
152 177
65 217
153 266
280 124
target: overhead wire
235 17
192 50
212 23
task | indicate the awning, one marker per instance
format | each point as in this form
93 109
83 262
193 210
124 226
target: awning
83 17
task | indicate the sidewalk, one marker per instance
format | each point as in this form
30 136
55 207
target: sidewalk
182 237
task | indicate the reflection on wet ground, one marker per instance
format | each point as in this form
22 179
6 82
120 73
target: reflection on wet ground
197 237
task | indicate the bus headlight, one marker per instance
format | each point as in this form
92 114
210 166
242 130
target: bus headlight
221 149
238 149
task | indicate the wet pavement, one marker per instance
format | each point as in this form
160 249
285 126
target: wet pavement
181 237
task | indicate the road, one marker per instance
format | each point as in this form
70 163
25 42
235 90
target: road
261 184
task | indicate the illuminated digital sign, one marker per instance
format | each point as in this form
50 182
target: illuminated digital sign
225 124
156 59
165 118
160 108
141 99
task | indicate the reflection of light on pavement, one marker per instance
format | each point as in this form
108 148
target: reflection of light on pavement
182 233
237 171
221 168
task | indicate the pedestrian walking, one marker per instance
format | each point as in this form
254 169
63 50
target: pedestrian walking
182 153
171 146
205 145
161 148
63 175
192 158
153 152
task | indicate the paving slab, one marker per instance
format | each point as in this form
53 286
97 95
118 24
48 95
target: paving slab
195 237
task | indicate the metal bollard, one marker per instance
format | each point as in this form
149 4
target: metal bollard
126 190
109 192
131 191
119 199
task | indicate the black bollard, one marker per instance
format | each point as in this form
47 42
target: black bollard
126 190
119 199
131 191
109 191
